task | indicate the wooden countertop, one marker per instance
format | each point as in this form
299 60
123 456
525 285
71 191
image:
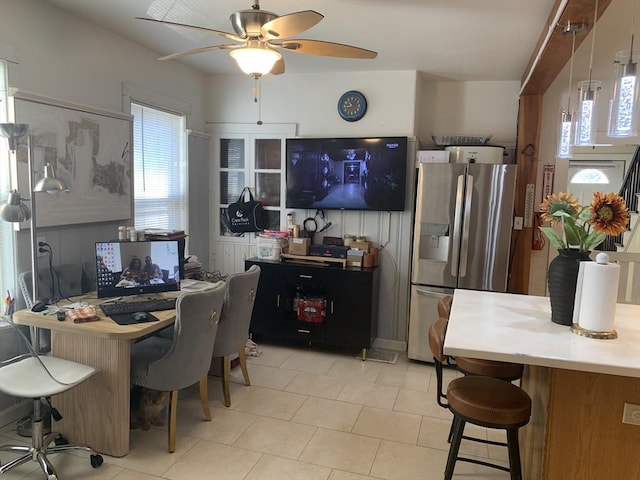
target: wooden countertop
518 328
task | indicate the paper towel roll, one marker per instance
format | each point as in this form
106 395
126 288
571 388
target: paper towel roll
596 295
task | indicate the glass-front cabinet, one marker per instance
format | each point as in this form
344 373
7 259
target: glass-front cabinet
244 158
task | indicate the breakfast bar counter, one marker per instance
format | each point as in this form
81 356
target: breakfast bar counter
578 385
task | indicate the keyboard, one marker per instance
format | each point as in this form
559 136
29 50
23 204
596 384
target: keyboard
153 305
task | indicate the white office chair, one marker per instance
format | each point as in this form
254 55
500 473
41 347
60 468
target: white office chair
36 377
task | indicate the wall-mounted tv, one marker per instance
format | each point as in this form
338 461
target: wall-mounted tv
347 173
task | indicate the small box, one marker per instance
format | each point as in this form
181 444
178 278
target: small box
364 246
270 248
299 246
355 258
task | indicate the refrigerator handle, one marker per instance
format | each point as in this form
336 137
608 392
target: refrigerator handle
464 245
457 225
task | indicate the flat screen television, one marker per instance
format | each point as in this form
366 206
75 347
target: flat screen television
346 173
134 268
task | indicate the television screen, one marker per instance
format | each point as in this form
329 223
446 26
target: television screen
346 173
133 268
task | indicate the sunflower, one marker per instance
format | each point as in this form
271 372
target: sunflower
563 202
609 213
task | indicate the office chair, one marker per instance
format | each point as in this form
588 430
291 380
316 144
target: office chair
233 331
69 280
171 364
483 401
33 376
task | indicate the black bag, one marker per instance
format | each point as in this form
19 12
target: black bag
246 216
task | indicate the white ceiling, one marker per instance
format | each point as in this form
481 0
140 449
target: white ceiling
460 40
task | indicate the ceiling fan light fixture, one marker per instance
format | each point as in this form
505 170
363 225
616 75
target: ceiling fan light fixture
255 61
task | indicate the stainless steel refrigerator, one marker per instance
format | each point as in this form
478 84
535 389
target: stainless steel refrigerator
462 236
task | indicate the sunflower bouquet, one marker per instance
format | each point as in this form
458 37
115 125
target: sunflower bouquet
583 227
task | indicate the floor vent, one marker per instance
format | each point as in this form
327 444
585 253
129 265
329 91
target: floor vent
378 355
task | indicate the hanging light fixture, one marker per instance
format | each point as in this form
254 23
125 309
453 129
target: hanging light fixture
623 112
256 58
587 99
566 115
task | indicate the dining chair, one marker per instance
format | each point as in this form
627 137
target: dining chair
233 331
34 376
171 364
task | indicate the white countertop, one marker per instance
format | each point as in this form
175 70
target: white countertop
518 328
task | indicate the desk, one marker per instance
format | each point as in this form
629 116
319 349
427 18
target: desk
578 385
96 411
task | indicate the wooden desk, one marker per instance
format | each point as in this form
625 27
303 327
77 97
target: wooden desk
578 385
96 411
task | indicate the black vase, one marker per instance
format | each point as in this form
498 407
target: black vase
561 280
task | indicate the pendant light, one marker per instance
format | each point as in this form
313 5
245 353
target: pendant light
623 112
566 115
587 100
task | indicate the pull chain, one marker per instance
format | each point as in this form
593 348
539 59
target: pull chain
257 98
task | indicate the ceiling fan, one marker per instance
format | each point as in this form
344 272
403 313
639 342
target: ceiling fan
259 36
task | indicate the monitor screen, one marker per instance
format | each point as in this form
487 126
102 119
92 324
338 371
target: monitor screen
132 268
347 173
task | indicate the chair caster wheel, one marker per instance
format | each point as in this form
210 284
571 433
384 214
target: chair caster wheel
96 460
60 440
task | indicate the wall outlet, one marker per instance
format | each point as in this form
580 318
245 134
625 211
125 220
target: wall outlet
631 414
40 239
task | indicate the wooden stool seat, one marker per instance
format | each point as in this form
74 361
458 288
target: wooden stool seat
489 402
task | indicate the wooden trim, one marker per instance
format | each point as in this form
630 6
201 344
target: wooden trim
527 150
558 50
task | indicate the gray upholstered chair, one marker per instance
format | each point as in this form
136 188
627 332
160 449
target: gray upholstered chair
233 331
36 377
171 364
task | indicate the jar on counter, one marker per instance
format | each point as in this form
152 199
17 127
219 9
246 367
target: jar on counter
133 235
122 233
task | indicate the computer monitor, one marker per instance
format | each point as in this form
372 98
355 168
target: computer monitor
134 268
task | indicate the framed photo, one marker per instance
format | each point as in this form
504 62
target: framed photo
90 150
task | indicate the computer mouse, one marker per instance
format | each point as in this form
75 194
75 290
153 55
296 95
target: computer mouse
39 306
140 316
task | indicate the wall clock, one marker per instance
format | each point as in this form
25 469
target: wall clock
352 106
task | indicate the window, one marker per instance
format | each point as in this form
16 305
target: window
160 168
7 268
590 175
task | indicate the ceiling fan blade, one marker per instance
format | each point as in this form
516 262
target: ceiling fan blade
291 24
326 49
198 50
228 35
278 68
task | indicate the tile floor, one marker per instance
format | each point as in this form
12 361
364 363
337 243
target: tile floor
309 414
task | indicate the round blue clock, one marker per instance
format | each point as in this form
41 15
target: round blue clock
352 106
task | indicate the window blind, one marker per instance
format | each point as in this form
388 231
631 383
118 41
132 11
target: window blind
160 168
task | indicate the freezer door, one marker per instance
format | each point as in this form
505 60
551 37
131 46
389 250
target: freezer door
423 312
486 230
435 249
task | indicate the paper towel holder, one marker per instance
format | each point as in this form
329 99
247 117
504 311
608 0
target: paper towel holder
601 258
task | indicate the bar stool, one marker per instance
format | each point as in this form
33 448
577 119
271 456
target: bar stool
483 401
477 366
